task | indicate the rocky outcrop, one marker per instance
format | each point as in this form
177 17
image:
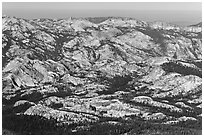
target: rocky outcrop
22 105
60 116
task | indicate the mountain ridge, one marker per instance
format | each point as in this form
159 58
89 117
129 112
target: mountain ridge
74 75
111 17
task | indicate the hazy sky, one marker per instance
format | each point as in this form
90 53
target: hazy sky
174 12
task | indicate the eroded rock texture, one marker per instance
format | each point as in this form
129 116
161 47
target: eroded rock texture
101 76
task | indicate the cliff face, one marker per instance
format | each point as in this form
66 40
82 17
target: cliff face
79 74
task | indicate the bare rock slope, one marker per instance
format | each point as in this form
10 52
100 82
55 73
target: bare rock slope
101 76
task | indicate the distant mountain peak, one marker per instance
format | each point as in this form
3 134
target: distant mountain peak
196 25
